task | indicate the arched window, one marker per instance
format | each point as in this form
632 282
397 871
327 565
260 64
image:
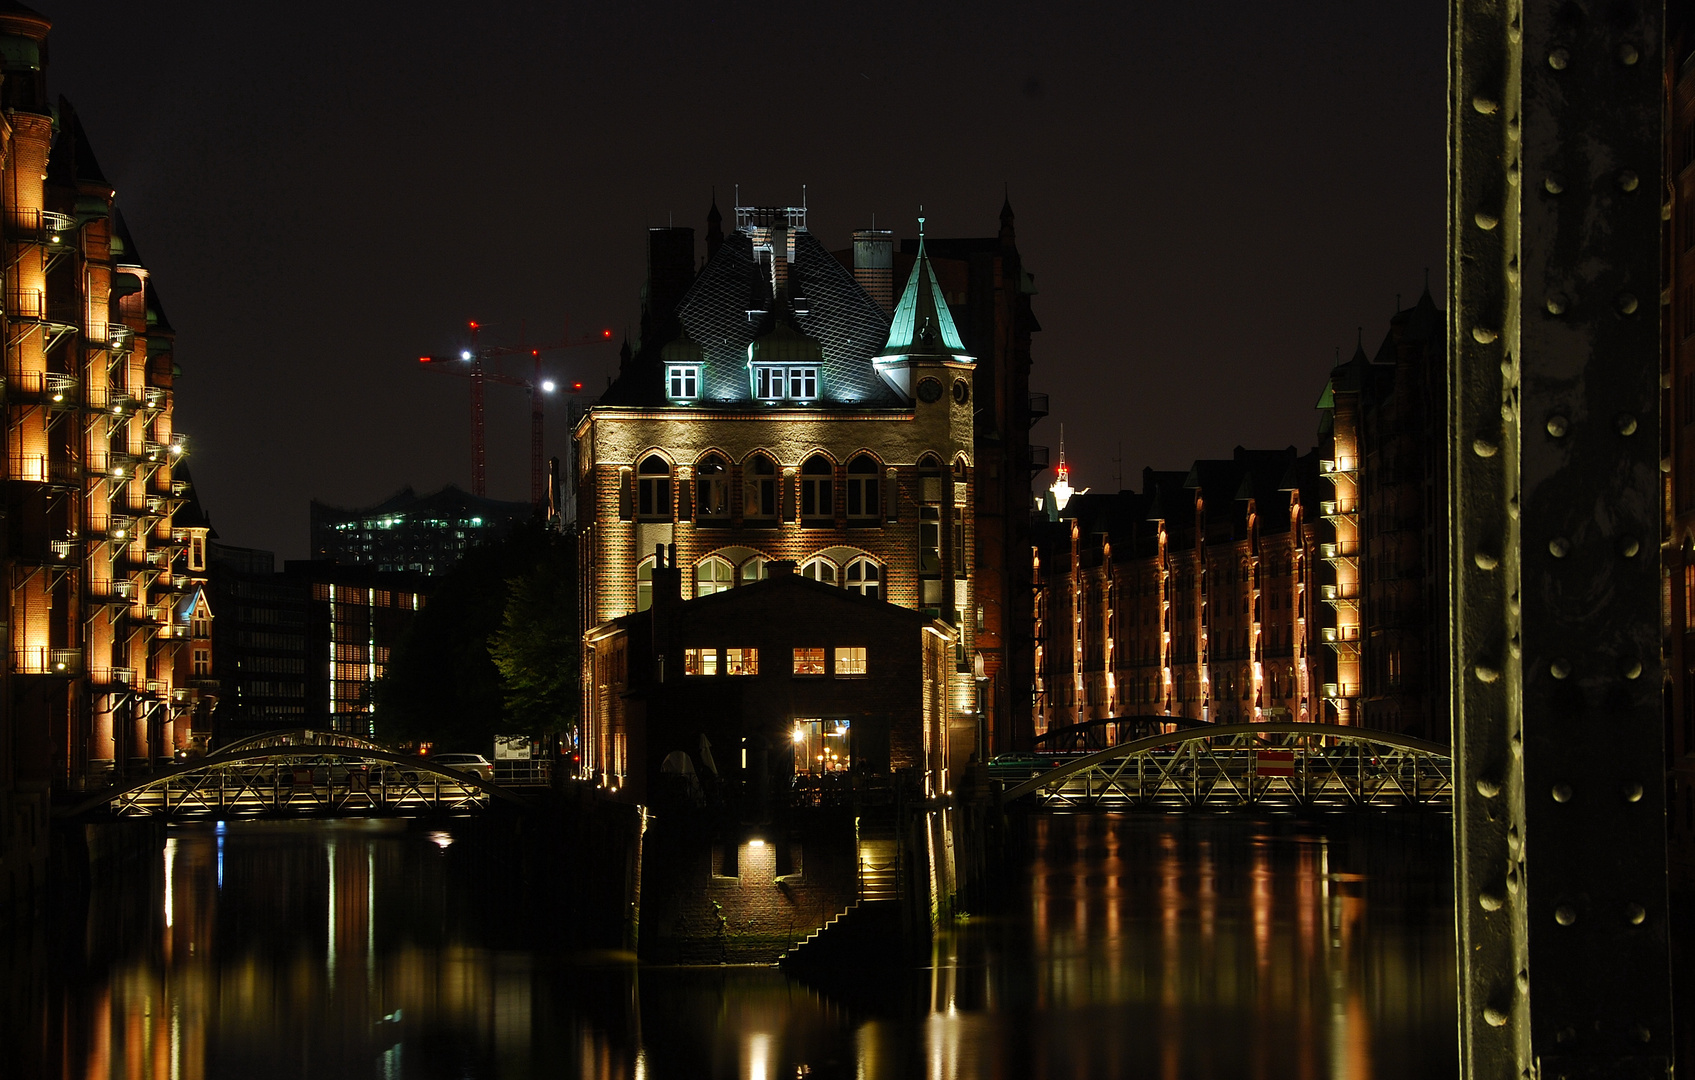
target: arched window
817 488
930 516
819 569
644 584
864 577
713 575
712 489
862 488
753 570
759 501
653 488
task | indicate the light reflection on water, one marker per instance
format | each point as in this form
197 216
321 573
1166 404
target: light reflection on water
1159 947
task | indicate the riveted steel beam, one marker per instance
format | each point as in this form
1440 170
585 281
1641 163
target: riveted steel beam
1553 222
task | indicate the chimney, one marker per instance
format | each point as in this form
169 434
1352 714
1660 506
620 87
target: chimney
874 265
670 272
667 594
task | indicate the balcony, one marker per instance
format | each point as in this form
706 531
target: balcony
1341 550
1038 457
1346 593
39 469
41 660
41 226
1338 508
107 591
112 676
26 304
1038 407
119 338
1341 691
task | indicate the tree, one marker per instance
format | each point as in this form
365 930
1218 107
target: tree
536 647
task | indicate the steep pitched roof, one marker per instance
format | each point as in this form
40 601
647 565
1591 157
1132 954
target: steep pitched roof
922 325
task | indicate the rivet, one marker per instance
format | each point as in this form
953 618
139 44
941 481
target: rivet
1556 306
1487 788
1633 792
1485 220
1486 674
1626 304
1485 561
1494 1017
1485 105
1626 424
1483 448
1627 54
1553 187
1562 793
1559 669
1483 335
1490 901
1565 914
1631 669
1627 180
1628 547
1558 59
1634 914
1557 426
1558 548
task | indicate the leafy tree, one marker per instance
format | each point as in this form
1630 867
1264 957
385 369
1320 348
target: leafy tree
536 647
442 684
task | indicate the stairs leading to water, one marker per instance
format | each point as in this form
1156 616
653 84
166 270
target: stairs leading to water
867 933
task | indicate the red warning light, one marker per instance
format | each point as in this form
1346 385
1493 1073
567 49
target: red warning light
423 359
576 386
606 333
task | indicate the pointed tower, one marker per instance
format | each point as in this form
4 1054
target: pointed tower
922 335
714 228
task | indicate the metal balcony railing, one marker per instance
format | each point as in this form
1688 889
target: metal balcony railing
1336 691
1038 406
26 303
1347 592
1334 634
1339 507
41 660
1342 549
1038 457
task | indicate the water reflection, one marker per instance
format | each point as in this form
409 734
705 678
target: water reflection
1135 947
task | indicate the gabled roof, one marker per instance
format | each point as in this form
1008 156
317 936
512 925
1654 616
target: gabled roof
922 325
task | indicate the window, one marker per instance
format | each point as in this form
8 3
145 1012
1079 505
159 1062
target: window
712 576
712 499
862 488
202 662
753 569
741 661
809 661
760 499
201 625
865 578
817 483
795 383
644 585
685 381
819 570
821 746
700 661
850 661
653 488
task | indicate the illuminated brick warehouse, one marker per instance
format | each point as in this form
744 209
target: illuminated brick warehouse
774 408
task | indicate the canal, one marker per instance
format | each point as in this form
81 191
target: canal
1170 947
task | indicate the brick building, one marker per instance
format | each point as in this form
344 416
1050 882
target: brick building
1195 597
773 410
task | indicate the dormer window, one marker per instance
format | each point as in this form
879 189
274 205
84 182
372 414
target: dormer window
684 380
777 383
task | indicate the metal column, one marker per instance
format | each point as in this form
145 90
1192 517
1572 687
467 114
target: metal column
1554 487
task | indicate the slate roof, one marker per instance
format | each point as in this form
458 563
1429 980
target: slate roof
824 303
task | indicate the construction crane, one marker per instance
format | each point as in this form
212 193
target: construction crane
469 365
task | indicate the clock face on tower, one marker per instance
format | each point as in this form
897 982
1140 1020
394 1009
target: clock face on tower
929 391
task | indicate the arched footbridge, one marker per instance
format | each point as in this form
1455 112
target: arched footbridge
1233 766
298 774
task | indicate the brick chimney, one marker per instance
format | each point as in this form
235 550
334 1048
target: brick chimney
874 265
667 594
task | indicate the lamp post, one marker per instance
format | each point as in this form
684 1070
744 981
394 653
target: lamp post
979 671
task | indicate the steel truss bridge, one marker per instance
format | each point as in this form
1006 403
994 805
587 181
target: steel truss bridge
1278 765
299 774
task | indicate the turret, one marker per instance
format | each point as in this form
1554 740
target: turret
922 331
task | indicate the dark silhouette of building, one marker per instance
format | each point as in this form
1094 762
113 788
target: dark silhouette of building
412 533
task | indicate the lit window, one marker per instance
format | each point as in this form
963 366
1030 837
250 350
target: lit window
819 570
700 661
850 661
753 570
809 661
760 499
795 383
712 576
685 381
865 577
741 661
644 585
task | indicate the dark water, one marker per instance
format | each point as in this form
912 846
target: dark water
1161 947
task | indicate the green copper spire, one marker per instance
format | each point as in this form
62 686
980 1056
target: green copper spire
922 325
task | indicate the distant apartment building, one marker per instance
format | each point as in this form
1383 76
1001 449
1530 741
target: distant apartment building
412 533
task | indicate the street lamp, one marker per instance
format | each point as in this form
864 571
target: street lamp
979 671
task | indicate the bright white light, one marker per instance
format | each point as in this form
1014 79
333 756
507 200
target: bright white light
756 843
465 355
441 840
548 387
800 734
176 448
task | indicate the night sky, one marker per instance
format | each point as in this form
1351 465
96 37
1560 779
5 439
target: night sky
1212 196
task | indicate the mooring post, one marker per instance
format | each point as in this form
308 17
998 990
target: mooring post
1554 477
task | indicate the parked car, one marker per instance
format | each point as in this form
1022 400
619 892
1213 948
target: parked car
471 763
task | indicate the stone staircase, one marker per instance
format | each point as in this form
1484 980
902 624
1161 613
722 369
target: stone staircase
867 933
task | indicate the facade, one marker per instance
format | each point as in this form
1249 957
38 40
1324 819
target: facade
1194 598
772 410
1383 428
412 533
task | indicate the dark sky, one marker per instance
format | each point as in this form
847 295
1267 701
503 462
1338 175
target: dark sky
1212 195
